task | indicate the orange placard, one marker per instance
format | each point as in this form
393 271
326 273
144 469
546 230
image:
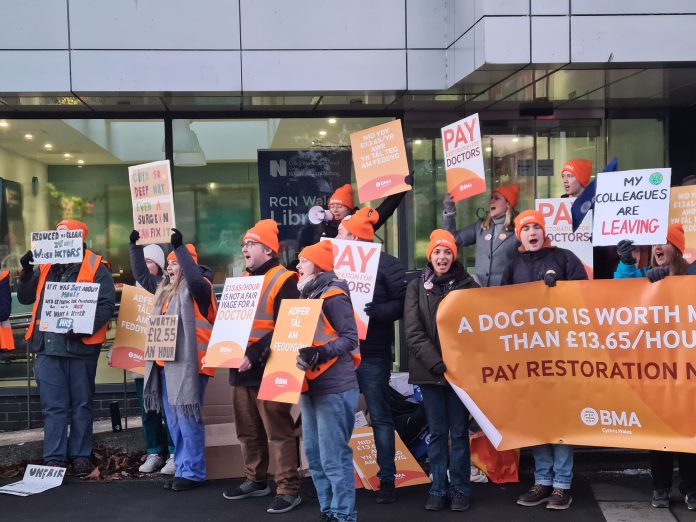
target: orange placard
132 325
379 156
294 329
463 154
596 363
682 209
408 471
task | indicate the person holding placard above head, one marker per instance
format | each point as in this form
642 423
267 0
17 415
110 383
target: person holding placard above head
178 386
147 265
330 391
667 260
493 236
538 260
448 418
265 429
66 363
6 337
387 306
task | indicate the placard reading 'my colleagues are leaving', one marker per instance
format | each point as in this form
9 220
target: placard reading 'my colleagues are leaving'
69 306
153 201
57 247
633 204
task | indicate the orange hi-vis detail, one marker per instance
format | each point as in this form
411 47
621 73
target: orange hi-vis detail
324 334
88 272
6 337
273 281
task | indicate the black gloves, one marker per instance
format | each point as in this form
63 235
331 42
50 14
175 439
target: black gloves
657 274
134 236
439 368
26 260
625 251
550 278
448 204
409 179
177 239
371 309
308 358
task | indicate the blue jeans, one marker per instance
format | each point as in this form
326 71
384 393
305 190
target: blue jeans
553 465
373 378
448 419
66 387
188 435
327 425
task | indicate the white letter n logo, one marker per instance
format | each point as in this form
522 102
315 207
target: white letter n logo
278 168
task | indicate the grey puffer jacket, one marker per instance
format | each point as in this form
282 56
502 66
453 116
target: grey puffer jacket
420 313
493 254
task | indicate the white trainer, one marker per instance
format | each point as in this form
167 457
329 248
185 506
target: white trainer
169 467
152 463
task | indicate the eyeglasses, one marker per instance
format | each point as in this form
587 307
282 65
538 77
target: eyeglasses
249 244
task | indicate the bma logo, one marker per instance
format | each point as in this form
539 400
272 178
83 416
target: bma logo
591 417
278 168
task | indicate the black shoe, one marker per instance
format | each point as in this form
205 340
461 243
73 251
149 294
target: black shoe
560 499
660 498
283 503
459 502
55 464
168 484
82 467
325 517
538 494
386 493
690 500
184 484
435 503
247 489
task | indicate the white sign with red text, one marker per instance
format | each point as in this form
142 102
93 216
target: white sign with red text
632 204
464 168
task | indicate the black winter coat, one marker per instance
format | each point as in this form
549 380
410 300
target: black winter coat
387 307
527 267
420 312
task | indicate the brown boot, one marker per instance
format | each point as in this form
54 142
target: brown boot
560 499
535 496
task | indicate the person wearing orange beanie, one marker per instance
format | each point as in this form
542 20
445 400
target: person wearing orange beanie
73 224
330 388
258 422
448 418
493 236
575 176
666 259
178 386
384 310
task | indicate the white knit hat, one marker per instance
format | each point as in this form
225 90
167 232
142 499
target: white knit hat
156 254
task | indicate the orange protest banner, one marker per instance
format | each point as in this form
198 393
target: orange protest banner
408 471
682 209
595 363
132 325
379 156
294 329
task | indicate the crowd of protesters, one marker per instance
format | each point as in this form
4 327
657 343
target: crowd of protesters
511 247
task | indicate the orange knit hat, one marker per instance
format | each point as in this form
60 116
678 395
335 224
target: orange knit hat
321 254
192 250
440 237
581 169
264 232
74 224
510 193
362 223
343 196
527 217
675 236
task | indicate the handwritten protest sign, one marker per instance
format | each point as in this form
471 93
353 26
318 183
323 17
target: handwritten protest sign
161 338
464 168
57 247
37 479
153 201
357 263
408 471
69 306
294 329
379 156
235 316
683 210
613 359
132 327
559 229
633 204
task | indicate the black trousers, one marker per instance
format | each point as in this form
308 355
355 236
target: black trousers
662 469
